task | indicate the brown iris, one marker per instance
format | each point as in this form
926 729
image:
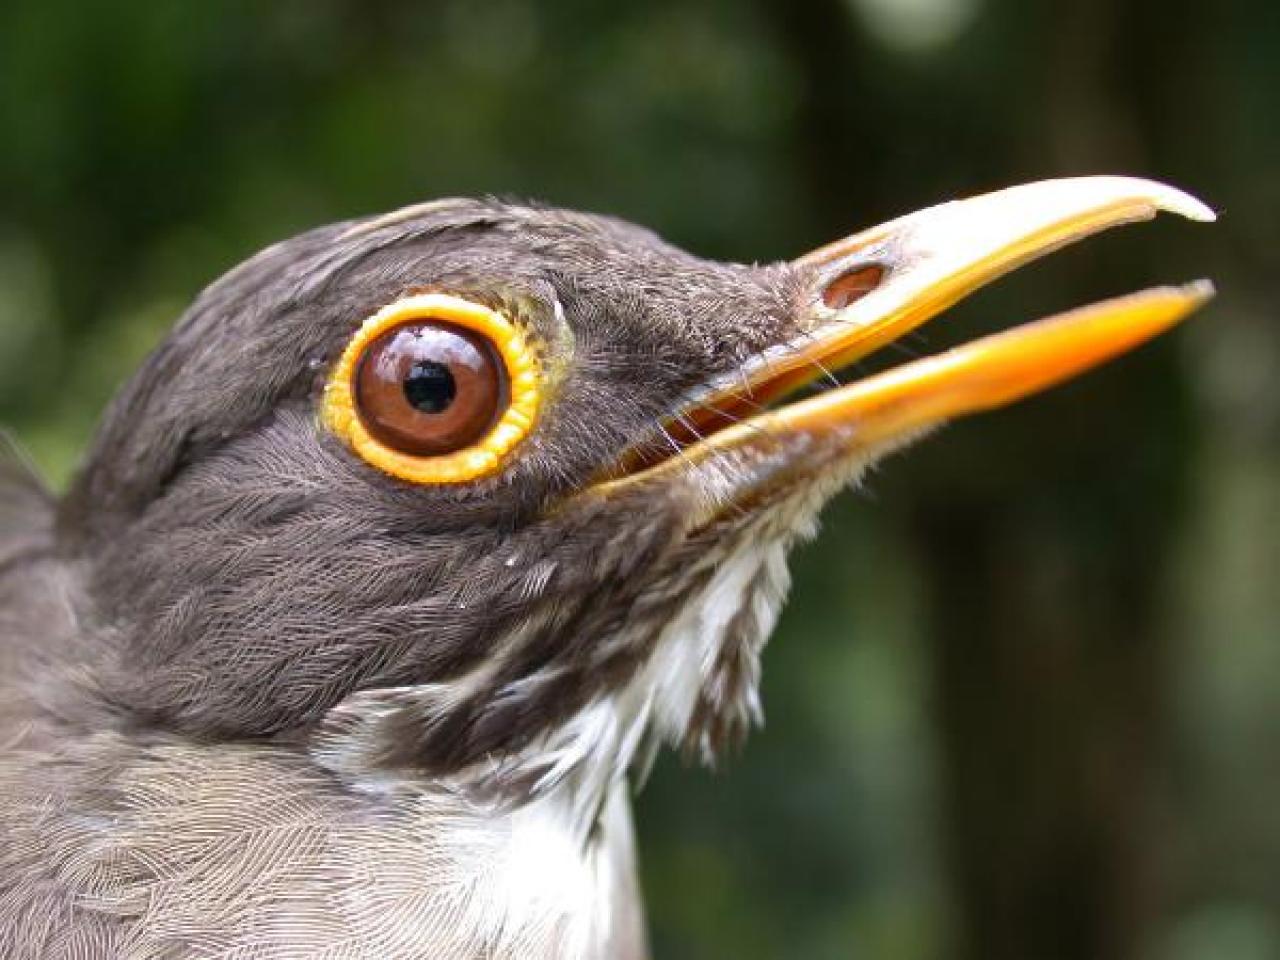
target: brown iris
430 388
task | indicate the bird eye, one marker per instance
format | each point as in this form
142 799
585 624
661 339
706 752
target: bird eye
429 388
434 389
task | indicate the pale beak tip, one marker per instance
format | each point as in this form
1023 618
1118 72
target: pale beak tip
1152 194
1201 291
1172 200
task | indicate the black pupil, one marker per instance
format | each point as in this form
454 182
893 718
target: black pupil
430 387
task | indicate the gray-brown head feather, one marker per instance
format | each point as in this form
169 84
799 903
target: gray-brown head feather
260 699
247 572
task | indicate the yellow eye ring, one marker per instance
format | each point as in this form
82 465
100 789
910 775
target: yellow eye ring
340 404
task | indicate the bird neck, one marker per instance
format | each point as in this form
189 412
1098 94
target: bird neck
546 859
534 885
695 688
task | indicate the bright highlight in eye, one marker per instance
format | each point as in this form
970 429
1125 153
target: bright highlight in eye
434 388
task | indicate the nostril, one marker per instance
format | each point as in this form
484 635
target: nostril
852 285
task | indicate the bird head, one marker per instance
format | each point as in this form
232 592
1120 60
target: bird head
480 484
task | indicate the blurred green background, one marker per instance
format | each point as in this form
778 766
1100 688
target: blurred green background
1025 702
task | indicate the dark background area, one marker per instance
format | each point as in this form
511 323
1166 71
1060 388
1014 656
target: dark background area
1025 702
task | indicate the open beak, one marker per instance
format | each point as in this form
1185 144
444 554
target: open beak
872 288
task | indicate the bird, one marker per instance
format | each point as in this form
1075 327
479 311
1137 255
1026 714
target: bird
393 566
